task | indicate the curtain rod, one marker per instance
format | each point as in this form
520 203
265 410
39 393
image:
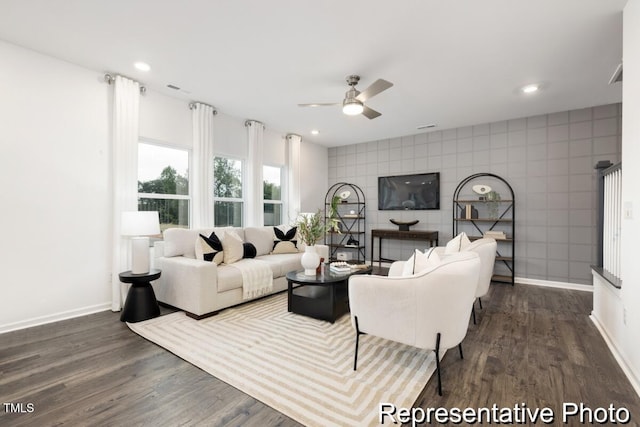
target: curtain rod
110 79
249 121
194 105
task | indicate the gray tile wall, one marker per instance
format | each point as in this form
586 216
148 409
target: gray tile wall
547 159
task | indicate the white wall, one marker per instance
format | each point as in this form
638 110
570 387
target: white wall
54 169
274 153
629 344
230 136
165 119
314 166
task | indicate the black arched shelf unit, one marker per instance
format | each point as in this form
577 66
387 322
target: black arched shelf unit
489 215
351 220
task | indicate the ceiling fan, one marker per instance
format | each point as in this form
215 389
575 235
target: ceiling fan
353 103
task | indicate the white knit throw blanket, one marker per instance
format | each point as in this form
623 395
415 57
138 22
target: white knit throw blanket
257 277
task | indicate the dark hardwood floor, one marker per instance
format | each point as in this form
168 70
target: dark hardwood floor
531 345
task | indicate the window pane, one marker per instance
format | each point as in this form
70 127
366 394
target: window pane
272 185
162 170
227 178
272 214
173 213
228 214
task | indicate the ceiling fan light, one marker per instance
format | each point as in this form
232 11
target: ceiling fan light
352 107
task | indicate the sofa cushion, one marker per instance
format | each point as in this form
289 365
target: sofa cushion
261 237
229 278
209 248
281 264
182 241
232 246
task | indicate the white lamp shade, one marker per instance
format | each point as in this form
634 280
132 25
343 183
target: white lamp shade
352 107
140 223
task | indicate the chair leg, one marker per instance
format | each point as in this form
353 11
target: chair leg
438 363
355 356
460 348
473 311
480 302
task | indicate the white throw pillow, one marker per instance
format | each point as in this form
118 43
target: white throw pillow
285 242
420 261
209 248
457 244
232 247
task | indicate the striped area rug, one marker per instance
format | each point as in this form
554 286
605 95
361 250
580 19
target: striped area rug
299 366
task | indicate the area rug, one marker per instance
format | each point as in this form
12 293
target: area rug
299 366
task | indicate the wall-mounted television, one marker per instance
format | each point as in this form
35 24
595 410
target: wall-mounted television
409 192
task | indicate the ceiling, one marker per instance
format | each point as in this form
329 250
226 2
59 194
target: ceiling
453 63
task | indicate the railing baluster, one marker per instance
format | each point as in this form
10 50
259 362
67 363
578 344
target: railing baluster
612 218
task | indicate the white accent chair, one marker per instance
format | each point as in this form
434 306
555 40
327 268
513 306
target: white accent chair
485 248
428 310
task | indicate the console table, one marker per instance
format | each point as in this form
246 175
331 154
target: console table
428 236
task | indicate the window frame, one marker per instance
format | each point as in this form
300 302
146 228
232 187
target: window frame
240 200
279 201
160 196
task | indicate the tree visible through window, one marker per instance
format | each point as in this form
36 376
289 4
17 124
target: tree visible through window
163 183
272 177
227 192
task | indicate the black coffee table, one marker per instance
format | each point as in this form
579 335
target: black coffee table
324 296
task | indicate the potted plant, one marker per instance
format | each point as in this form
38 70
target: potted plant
334 220
493 203
312 228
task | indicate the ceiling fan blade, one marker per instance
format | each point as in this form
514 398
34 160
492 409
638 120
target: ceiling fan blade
369 113
319 104
375 88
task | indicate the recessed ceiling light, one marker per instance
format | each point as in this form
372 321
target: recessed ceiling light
315 132
142 66
530 88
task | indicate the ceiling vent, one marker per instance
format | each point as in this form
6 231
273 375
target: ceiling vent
617 75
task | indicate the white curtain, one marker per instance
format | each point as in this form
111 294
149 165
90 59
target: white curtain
202 176
293 175
126 106
254 187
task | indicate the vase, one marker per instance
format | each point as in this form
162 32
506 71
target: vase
310 260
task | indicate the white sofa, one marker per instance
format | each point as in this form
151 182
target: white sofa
202 288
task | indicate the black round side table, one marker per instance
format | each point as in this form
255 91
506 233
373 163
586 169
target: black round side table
141 303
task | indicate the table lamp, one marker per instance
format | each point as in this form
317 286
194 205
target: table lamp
139 225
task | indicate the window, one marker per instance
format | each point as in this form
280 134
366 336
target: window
163 183
272 179
227 192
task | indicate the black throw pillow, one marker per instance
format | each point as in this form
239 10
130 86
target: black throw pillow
249 250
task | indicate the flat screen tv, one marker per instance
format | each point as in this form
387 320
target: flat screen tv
409 192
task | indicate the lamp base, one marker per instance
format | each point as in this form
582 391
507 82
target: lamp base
140 255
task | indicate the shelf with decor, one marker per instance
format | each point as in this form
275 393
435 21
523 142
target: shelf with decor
345 203
480 211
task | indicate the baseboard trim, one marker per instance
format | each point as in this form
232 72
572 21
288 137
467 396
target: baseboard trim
552 284
633 379
56 317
